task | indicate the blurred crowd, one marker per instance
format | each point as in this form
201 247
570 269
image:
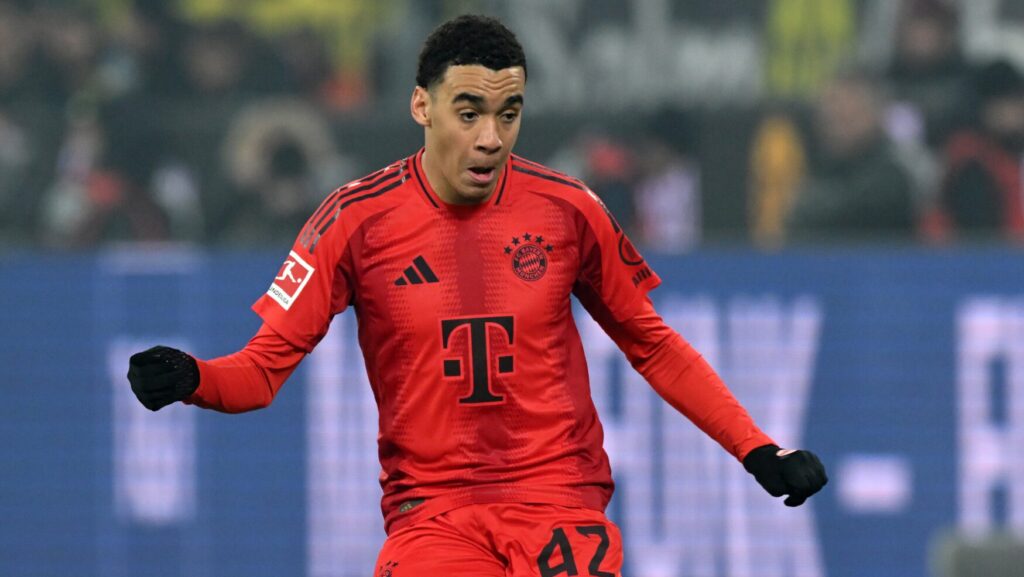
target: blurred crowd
926 146
146 127
137 120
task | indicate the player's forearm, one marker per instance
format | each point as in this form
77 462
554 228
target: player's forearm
681 376
249 379
232 384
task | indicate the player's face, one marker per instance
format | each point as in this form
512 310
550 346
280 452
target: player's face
471 122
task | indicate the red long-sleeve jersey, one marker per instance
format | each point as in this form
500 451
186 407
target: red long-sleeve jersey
466 328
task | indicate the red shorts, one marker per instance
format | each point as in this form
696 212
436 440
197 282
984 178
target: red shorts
505 540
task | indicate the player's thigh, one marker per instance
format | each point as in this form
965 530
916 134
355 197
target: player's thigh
431 548
553 541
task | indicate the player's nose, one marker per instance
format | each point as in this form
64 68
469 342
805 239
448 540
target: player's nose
487 139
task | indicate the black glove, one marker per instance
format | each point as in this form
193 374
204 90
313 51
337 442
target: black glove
798 474
162 375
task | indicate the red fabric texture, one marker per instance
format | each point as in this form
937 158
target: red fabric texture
249 379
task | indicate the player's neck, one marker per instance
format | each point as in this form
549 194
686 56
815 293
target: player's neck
443 189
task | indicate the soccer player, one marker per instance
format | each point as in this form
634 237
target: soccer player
459 262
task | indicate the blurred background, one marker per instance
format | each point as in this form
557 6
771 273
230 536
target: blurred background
830 189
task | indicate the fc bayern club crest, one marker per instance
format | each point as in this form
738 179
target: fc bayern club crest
529 256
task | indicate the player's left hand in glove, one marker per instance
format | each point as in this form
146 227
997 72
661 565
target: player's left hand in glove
162 375
798 474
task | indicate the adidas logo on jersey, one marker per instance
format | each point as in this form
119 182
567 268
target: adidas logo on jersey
417 273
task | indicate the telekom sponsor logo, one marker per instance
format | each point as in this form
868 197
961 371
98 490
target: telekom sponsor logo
290 280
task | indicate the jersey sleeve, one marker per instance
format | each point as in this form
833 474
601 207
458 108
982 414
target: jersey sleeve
249 379
312 285
683 378
612 271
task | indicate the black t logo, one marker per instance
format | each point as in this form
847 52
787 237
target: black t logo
478 354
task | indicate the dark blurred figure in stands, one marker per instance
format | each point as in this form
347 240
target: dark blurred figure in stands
668 202
856 189
17 51
281 202
143 77
226 67
96 197
215 61
307 65
226 60
981 191
16 208
929 78
279 157
929 75
141 56
604 161
70 44
138 152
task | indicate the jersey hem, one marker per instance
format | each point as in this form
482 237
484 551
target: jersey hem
595 498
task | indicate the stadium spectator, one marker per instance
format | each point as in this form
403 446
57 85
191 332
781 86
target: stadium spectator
928 75
215 61
17 50
606 163
280 156
804 42
17 210
856 188
668 203
278 205
307 65
778 163
70 44
928 78
141 57
91 202
139 151
981 190
29 128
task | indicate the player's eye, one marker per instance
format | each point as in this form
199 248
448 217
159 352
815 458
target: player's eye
468 115
510 115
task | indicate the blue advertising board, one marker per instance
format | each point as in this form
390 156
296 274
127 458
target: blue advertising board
903 370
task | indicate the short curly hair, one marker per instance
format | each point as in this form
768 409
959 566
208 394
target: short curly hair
464 40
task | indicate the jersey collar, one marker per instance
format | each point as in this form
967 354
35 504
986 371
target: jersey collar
499 196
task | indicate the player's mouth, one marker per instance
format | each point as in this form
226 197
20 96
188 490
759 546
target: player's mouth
482 174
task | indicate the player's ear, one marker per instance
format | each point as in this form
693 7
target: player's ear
419 106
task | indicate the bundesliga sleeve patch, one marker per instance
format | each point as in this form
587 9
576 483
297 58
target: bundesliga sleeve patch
290 280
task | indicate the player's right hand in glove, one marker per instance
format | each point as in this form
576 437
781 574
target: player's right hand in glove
162 375
798 474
